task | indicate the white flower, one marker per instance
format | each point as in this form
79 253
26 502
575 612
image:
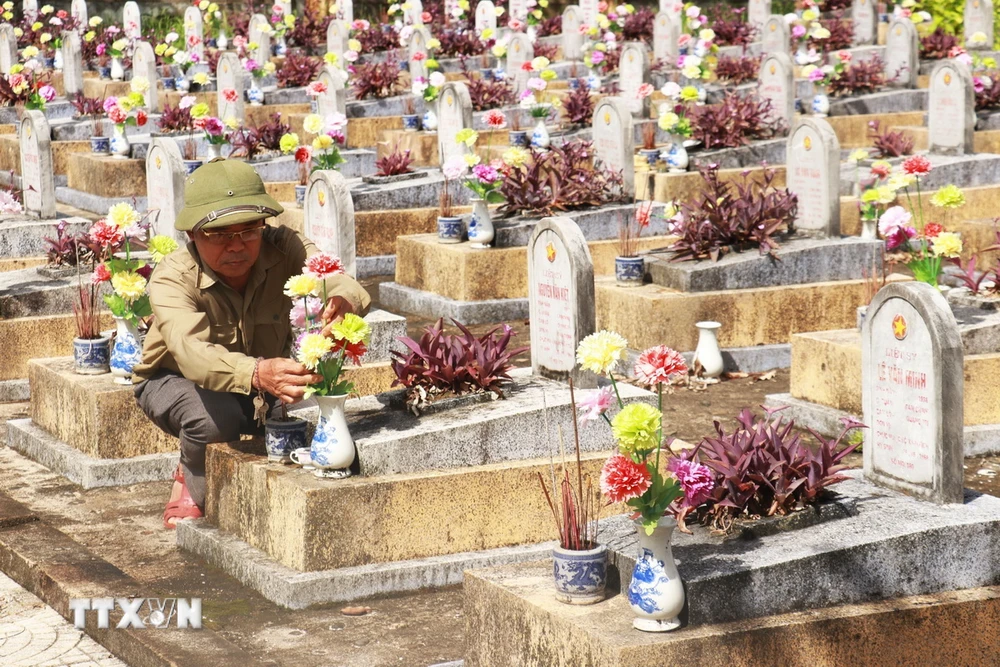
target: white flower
437 79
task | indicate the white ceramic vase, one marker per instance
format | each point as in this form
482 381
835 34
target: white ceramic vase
120 145
708 353
126 351
481 231
255 95
820 103
430 121
332 447
540 135
677 156
117 71
656 593
58 60
223 42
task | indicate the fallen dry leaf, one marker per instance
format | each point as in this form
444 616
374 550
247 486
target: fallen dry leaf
770 375
355 611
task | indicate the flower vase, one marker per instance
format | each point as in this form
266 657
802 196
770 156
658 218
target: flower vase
332 448
255 95
300 195
594 80
518 138
117 71
708 353
630 271
100 145
580 576
677 155
282 437
869 228
104 71
801 55
182 84
481 230
126 351
411 122
450 229
820 103
214 151
120 146
429 121
656 593
702 93
281 47
169 83
57 61
313 105
540 135
92 356
222 43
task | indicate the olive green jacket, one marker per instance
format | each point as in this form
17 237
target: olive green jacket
211 334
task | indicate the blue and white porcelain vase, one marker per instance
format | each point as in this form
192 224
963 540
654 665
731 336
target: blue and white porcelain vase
182 84
126 352
481 231
282 437
429 121
629 271
518 138
540 135
580 576
281 47
117 71
332 448
100 145
821 103
120 146
677 156
92 356
411 122
57 61
255 95
300 195
656 593
450 229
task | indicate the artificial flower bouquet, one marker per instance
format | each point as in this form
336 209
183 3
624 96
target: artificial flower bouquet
825 74
429 88
632 475
324 151
257 70
324 350
533 97
129 109
25 84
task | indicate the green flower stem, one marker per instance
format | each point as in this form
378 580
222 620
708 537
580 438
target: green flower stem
615 385
659 432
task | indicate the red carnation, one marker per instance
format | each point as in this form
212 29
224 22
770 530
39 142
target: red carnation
917 165
229 94
106 235
526 67
623 479
881 170
324 264
354 351
141 117
116 115
495 119
302 155
101 274
659 365
932 229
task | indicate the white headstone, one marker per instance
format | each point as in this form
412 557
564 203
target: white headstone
78 10
633 71
777 84
666 32
813 175
614 139
164 185
346 8
329 216
561 296
336 40
418 45
518 9
775 36
334 100
286 6
37 182
520 50
29 9
131 20
194 33
486 16
144 65
416 12
758 12
951 115
229 81
454 114
259 34
912 386
8 48
865 17
572 40
978 24
589 9
73 63
902 49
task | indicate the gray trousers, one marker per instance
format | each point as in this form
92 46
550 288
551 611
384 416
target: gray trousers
197 417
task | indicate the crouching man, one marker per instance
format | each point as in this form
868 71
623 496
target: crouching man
217 354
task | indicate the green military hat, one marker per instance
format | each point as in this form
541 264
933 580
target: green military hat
223 193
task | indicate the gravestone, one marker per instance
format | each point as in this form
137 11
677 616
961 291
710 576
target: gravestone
194 33
813 175
144 65
758 11
259 34
978 22
589 10
902 50
73 63
951 104
131 20
165 185
572 40
336 40
614 140
346 8
454 114
561 297
29 9
35 143
334 100
520 50
666 32
78 10
912 384
8 48
418 44
633 71
775 36
229 81
518 9
865 19
777 84
329 216
486 17
286 6
415 14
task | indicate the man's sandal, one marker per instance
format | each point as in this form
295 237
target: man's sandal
182 508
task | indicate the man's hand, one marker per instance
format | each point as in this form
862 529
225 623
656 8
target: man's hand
336 308
285 379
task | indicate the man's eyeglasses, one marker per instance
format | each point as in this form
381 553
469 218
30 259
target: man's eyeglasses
222 238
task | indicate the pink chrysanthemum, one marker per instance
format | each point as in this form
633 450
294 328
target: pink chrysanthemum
595 403
623 479
659 365
106 234
696 480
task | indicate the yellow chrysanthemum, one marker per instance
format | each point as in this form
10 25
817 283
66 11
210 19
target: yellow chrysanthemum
129 285
322 142
301 286
160 246
354 45
312 348
858 155
288 142
467 136
636 428
123 215
600 352
948 196
516 157
352 328
201 78
668 121
947 244
199 110
313 123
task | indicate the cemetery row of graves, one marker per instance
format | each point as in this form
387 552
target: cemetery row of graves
642 199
